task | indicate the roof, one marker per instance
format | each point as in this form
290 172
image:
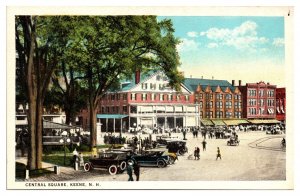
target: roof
111 116
192 83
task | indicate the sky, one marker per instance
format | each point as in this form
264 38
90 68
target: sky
250 49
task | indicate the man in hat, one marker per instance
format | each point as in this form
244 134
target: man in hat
136 169
129 170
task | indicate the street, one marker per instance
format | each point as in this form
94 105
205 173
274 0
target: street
263 159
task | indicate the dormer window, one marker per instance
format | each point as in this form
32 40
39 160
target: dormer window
144 86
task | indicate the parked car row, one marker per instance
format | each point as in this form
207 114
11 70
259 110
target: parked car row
164 153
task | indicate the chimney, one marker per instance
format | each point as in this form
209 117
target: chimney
240 82
137 76
233 83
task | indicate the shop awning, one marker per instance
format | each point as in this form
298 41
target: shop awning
269 121
207 122
235 122
111 116
218 122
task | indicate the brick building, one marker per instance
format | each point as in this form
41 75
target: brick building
217 99
280 104
148 101
258 100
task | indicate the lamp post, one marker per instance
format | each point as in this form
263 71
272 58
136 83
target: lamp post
64 141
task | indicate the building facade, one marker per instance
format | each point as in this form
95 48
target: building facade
280 104
150 102
259 100
217 99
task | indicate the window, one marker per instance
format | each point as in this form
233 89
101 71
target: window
133 109
261 102
201 96
116 109
211 96
161 97
211 104
238 104
133 96
178 97
219 114
170 97
107 109
252 111
201 104
201 114
112 96
153 97
152 86
161 86
207 105
228 96
261 93
207 95
237 114
144 86
125 108
102 110
187 97
261 111
219 104
252 93
228 114
252 102
144 96
228 104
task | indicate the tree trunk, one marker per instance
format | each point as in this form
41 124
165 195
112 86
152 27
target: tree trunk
39 133
93 125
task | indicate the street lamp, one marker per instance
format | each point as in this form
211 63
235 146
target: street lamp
64 141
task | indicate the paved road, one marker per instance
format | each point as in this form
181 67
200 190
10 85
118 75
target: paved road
243 163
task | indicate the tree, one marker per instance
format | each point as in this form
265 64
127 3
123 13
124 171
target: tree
112 47
39 44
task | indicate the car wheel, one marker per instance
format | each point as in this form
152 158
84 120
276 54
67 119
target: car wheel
87 167
181 151
123 165
172 160
161 164
112 170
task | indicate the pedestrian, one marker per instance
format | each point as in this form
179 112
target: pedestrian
218 154
129 170
198 153
195 153
81 160
204 145
136 169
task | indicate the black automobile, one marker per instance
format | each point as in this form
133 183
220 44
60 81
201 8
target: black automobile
114 162
153 158
177 146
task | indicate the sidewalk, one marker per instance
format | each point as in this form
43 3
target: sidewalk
66 173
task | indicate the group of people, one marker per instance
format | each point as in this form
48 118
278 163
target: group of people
133 168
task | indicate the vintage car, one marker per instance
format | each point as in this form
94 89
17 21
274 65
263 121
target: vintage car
157 158
172 156
114 162
233 142
174 145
